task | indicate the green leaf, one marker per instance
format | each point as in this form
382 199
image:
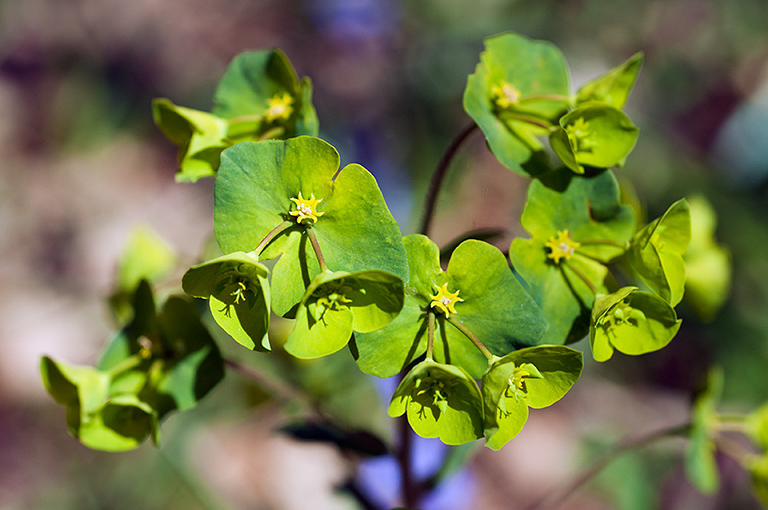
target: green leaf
758 470
757 425
700 463
536 80
614 86
594 134
335 304
656 252
534 377
585 212
707 263
631 321
253 195
440 401
121 424
200 137
238 289
492 305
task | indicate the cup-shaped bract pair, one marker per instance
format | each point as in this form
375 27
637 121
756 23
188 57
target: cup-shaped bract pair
517 92
259 97
477 292
533 377
237 290
577 224
440 400
337 303
288 199
593 134
656 252
632 322
99 415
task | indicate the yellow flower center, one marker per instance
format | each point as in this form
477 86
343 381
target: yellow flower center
561 246
306 209
579 135
445 300
505 95
279 107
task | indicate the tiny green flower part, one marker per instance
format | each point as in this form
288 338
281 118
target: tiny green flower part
279 107
579 135
632 322
445 300
505 95
533 377
306 209
561 246
440 400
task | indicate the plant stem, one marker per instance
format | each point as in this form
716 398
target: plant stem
273 132
529 120
316 247
126 364
539 97
272 234
558 496
606 242
430 333
583 277
281 391
461 327
439 176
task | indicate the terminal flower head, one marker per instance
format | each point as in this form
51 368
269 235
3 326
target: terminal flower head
306 209
505 95
279 107
561 246
445 300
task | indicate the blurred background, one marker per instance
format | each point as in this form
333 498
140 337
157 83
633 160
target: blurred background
82 164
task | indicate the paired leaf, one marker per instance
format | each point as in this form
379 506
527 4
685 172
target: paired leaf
631 321
237 288
614 86
492 304
258 98
518 90
253 195
656 252
534 377
335 304
588 212
440 401
593 134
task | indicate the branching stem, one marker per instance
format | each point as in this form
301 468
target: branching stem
272 234
461 327
316 247
582 276
439 176
430 333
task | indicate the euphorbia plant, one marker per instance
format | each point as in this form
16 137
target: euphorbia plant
307 242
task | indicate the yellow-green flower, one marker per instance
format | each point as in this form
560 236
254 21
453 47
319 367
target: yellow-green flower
445 300
561 246
505 95
279 107
306 209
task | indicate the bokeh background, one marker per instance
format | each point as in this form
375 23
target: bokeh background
82 164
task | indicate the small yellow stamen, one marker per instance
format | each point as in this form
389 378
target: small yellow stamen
505 95
445 300
579 136
561 246
279 107
306 209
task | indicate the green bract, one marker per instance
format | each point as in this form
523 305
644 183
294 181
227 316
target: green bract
440 401
335 304
632 322
593 134
258 98
238 291
490 302
258 188
758 471
99 414
532 377
656 252
700 463
707 263
614 86
576 224
519 89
